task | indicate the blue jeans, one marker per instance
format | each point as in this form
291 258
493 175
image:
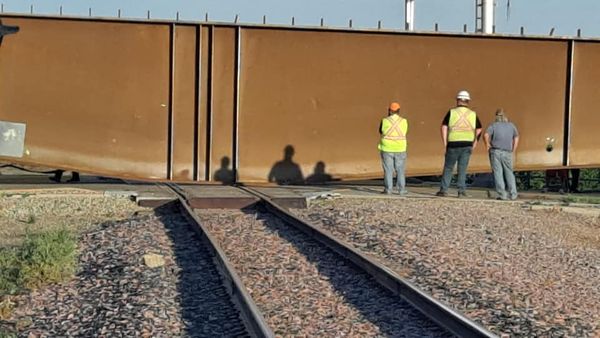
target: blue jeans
454 155
391 162
504 177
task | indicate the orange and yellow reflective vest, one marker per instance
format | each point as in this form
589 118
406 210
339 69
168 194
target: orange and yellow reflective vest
461 126
393 134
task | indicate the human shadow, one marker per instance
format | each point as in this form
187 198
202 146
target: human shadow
393 315
319 175
286 171
203 296
224 174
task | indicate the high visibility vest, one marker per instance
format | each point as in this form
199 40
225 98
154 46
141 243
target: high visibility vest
461 126
393 134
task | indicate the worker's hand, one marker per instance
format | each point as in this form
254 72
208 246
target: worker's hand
474 144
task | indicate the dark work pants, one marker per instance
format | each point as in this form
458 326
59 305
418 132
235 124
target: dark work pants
461 156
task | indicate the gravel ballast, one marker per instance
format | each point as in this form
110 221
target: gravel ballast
44 210
305 290
516 271
117 294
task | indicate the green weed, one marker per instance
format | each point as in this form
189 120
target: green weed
7 334
47 258
42 258
582 199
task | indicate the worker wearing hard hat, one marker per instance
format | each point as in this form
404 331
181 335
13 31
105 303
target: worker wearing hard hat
392 147
460 131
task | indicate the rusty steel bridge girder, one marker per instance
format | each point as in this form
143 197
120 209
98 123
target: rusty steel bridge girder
192 102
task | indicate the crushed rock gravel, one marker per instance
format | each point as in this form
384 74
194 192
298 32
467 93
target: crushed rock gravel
518 272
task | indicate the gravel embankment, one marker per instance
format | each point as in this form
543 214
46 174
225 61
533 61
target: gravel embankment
305 290
44 210
518 272
115 294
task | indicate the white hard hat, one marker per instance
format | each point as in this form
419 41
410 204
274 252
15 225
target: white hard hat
463 95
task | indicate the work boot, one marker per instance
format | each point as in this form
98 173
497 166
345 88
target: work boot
441 194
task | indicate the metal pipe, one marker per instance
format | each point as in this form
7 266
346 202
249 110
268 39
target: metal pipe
409 15
488 16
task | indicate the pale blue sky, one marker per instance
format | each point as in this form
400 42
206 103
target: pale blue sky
537 16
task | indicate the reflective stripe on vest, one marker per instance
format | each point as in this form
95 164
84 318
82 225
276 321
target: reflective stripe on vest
461 126
393 134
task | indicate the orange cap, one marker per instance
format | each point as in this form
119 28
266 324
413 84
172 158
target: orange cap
394 106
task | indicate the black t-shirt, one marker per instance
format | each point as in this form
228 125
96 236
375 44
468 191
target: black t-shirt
458 144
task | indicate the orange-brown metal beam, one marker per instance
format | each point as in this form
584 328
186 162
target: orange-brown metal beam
190 102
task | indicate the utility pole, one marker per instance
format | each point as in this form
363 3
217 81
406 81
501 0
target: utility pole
409 15
484 16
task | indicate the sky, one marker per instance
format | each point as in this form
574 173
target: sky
536 16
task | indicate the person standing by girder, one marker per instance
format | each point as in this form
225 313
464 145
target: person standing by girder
460 131
392 147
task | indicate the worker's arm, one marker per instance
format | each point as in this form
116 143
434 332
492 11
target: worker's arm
515 143
486 139
477 135
444 131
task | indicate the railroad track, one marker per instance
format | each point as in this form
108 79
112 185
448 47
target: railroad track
386 291
253 320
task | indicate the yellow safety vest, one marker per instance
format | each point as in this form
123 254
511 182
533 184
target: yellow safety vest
393 134
461 126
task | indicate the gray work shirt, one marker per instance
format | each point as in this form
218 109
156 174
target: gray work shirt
502 135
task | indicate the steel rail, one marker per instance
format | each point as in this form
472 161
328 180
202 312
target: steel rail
448 318
251 316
